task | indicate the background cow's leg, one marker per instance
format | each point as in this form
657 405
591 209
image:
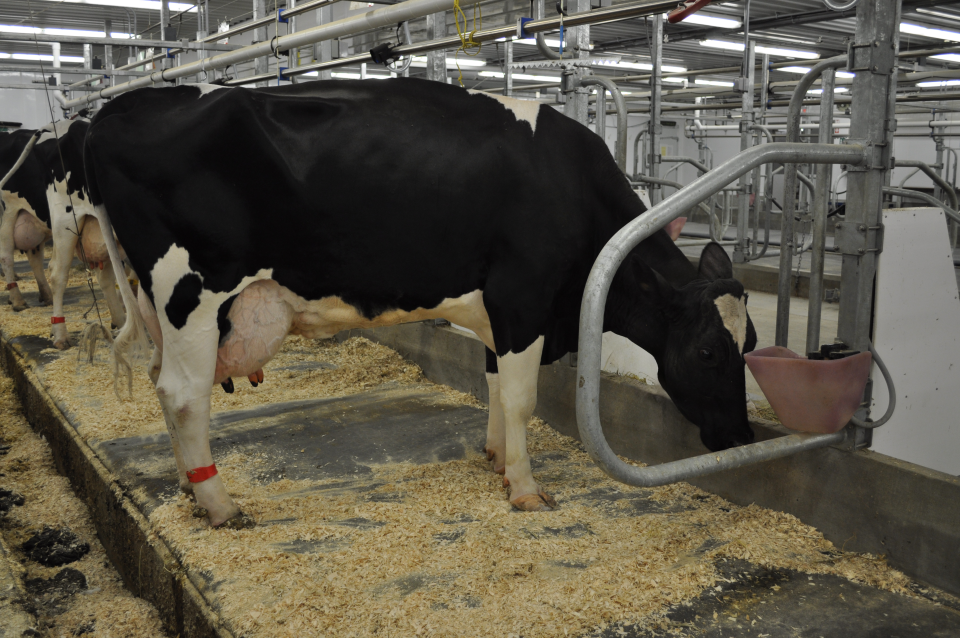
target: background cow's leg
496 447
108 286
518 397
64 245
35 257
183 387
6 258
153 371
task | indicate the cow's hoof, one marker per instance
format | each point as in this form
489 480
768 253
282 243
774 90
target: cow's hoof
199 512
239 521
62 345
19 307
45 302
539 502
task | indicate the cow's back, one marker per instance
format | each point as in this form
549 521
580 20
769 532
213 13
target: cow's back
395 193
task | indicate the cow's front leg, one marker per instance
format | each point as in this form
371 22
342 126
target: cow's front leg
518 398
496 447
6 258
108 286
64 245
35 257
183 387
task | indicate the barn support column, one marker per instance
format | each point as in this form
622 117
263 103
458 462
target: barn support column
166 33
56 62
746 81
437 60
577 38
323 51
508 67
873 57
262 64
293 55
655 127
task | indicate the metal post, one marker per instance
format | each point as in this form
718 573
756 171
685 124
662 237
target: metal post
56 62
873 58
437 60
821 202
741 248
323 51
656 85
88 58
578 39
165 33
108 49
508 67
293 55
262 64
601 112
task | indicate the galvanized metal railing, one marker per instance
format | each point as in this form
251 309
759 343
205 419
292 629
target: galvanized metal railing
594 303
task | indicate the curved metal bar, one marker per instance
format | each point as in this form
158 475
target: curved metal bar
636 149
689 160
594 303
646 179
407 40
542 47
932 174
789 192
620 150
930 199
836 6
891 391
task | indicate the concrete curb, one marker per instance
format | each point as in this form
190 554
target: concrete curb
862 501
148 567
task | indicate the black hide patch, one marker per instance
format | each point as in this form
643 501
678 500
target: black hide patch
714 263
184 300
224 325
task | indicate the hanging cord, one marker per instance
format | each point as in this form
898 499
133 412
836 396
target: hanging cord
90 336
467 43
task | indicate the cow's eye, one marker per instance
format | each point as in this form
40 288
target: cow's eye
706 354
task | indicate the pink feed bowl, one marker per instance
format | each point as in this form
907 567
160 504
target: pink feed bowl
810 396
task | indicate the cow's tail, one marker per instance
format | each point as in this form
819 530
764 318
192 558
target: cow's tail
132 340
22 159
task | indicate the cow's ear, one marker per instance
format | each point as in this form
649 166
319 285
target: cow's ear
714 263
653 286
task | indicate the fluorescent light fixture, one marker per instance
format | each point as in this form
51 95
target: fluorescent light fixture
356 76
845 74
709 21
937 34
949 57
640 66
520 76
675 80
16 28
713 83
839 89
550 42
738 46
41 57
939 14
939 83
420 61
149 5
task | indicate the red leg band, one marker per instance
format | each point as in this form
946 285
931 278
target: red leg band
58 320
12 285
201 474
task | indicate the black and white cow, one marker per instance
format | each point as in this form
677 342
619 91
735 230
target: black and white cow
309 209
42 200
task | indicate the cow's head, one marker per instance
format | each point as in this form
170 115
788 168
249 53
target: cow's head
702 333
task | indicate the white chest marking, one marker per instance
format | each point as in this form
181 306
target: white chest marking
524 110
733 312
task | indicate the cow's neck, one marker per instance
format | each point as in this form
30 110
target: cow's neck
633 316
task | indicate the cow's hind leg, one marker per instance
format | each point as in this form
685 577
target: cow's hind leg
35 257
518 398
15 298
496 446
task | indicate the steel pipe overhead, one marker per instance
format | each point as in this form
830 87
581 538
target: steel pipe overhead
606 14
620 148
594 303
126 42
951 213
375 19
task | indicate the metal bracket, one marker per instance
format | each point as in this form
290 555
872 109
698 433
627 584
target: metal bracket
521 31
280 17
854 239
569 81
874 152
871 64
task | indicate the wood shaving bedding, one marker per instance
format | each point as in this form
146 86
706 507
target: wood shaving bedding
448 557
106 608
